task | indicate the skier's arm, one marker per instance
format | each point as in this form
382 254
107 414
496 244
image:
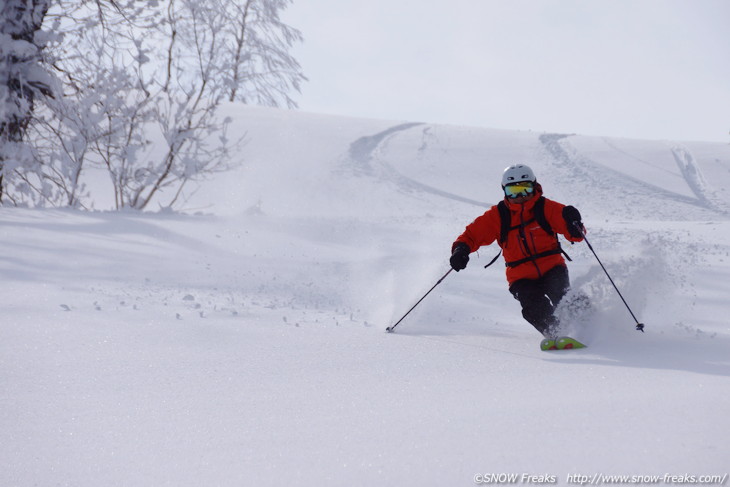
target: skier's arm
482 231
565 220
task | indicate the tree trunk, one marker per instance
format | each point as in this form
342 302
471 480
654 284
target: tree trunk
19 20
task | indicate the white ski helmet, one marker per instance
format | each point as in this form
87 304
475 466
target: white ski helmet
517 173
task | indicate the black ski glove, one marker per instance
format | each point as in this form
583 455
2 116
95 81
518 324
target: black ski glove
572 218
460 256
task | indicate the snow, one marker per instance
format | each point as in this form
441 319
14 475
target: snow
243 342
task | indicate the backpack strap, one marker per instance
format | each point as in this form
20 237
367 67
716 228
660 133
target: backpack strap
542 221
539 211
494 259
505 220
531 258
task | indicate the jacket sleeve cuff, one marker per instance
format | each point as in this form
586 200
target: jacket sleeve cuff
460 246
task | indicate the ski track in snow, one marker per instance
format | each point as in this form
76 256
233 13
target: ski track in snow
365 149
614 147
695 179
640 195
368 154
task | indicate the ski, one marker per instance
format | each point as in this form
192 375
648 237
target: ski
560 343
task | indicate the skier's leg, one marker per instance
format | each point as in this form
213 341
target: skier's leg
536 307
557 287
555 283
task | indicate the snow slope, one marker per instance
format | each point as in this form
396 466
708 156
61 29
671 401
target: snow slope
243 343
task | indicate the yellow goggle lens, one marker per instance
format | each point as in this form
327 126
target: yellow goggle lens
519 189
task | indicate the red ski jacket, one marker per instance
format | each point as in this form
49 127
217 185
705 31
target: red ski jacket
529 251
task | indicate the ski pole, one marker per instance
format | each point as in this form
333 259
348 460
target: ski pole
391 328
639 326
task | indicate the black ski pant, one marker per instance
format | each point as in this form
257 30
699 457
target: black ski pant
539 298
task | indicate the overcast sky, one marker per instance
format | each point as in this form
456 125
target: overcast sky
649 69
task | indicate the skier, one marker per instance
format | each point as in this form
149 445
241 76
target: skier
525 225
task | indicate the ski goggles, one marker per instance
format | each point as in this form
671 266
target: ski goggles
523 188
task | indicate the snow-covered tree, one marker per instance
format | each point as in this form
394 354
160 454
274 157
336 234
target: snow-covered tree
135 73
257 49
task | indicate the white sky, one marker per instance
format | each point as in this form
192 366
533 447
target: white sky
649 69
